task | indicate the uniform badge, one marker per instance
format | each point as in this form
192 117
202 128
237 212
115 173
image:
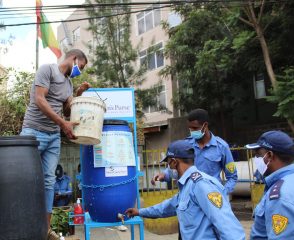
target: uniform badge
195 176
231 167
276 189
216 199
279 223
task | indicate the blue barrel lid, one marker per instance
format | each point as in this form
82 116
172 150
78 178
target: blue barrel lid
18 141
115 122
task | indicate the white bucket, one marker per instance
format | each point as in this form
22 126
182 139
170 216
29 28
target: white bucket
89 113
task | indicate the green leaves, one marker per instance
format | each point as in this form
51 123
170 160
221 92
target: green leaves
203 58
14 101
284 94
113 53
59 220
241 39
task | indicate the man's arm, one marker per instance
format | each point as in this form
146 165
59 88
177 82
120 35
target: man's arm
162 177
279 219
66 106
43 105
164 209
229 169
84 86
69 187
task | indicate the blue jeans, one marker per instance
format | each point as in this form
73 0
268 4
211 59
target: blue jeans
49 149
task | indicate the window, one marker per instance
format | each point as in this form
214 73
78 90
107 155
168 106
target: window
174 19
153 58
76 35
160 101
64 44
259 87
148 19
162 98
119 35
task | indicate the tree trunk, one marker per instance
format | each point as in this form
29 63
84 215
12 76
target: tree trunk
268 63
290 123
266 56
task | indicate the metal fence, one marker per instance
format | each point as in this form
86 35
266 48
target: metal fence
150 165
247 184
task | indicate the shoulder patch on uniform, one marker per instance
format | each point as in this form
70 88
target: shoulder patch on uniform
216 199
275 190
195 176
279 223
231 167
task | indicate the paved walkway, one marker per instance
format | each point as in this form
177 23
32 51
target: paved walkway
114 234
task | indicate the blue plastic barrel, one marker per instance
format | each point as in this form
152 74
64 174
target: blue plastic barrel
106 196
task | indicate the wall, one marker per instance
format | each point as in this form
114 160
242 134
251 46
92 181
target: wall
178 128
85 35
144 41
157 140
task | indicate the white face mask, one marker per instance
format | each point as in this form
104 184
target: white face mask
260 164
173 173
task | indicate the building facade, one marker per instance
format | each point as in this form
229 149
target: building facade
146 32
164 123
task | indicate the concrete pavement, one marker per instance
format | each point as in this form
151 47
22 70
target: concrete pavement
114 234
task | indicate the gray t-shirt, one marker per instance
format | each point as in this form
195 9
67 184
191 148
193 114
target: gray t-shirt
60 89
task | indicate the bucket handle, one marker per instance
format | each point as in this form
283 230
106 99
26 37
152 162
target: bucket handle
100 97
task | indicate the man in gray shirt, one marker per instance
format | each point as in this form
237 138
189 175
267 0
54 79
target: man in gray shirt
51 94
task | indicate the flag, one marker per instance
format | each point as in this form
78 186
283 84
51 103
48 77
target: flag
45 31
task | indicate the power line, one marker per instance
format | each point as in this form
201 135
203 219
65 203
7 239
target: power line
176 2
169 4
85 6
78 19
49 12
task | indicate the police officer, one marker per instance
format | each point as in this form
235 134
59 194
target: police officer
201 206
62 188
274 215
212 154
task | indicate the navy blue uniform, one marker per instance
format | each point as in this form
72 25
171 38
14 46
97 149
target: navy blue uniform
63 187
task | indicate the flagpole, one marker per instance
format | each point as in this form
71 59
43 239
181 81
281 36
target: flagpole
37 47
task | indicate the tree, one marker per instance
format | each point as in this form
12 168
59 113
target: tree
113 52
284 94
202 52
259 14
115 57
212 49
13 102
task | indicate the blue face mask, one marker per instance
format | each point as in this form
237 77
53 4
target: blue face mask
197 134
75 71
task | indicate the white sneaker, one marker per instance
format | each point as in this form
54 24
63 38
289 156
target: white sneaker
122 228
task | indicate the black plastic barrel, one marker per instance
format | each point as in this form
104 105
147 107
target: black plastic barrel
22 201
